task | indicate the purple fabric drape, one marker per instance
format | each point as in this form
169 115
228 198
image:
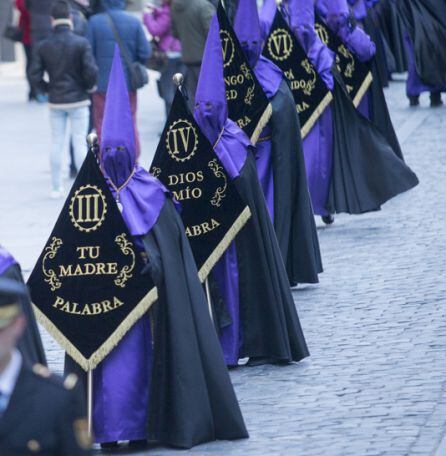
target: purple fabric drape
337 17
364 106
226 276
264 165
318 147
121 387
6 260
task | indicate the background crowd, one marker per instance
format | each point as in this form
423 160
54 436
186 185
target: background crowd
69 48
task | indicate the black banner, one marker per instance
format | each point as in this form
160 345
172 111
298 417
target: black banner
310 93
355 74
212 210
248 105
87 288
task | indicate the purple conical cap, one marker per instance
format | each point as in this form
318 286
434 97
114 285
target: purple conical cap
247 28
118 150
211 110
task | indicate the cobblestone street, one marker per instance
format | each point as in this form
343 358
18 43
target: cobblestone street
375 383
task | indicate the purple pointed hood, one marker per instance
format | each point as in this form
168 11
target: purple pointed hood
141 195
118 146
247 29
267 14
211 110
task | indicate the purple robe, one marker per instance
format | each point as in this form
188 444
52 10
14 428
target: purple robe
231 149
122 380
231 146
359 9
318 144
6 260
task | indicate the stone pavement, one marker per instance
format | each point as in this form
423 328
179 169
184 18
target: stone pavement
376 324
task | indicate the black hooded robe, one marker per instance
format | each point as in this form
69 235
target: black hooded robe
293 219
366 172
426 24
270 324
30 344
192 400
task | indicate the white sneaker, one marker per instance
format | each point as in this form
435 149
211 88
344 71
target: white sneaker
56 193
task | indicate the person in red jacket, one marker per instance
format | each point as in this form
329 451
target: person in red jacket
159 24
25 25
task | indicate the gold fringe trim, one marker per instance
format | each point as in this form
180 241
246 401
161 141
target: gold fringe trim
316 114
224 244
363 89
91 363
262 123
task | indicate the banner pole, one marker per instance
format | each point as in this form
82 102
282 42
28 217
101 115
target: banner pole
208 296
90 402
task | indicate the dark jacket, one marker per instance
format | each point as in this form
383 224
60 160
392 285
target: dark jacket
40 12
70 65
190 24
102 40
45 416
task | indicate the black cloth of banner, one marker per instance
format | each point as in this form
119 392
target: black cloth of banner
87 286
212 210
248 105
192 400
30 344
355 74
366 172
310 93
271 327
426 24
293 216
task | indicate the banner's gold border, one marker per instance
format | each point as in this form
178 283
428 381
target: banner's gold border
363 89
89 364
262 123
309 124
224 244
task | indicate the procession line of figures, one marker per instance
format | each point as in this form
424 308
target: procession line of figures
156 282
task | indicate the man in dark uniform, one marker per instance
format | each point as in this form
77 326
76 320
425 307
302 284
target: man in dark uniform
39 412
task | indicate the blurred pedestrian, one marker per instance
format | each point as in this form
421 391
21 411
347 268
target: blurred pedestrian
39 412
69 63
25 26
6 45
105 30
40 15
190 24
80 10
159 24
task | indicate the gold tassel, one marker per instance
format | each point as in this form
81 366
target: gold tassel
363 89
262 123
316 114
224 244
91 363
